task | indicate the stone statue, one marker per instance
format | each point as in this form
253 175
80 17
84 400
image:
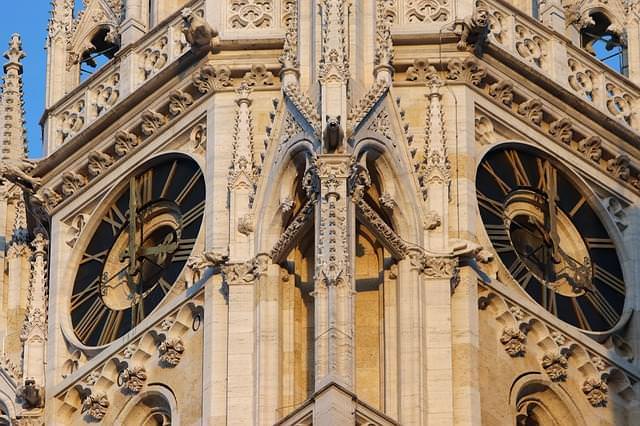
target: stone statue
197 31
19 172
475 30
333 135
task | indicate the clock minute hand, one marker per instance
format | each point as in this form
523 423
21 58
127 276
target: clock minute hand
551 190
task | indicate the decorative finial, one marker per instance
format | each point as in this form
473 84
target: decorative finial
15 52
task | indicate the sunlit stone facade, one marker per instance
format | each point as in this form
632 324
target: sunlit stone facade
331 212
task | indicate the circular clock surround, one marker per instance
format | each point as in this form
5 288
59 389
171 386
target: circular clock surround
113 291
551 237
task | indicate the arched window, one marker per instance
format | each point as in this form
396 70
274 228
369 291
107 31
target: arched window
102 47
608 46
152 408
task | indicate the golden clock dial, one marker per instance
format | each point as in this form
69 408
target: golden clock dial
137 250
550 238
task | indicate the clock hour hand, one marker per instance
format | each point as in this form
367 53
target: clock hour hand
157 250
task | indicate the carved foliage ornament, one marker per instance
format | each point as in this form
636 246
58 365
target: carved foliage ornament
133 379
555 364
96 405
171 351
596 391
514 342
211 77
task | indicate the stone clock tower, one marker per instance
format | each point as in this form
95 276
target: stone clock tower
327 212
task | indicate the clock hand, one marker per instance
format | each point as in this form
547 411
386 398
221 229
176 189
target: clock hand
104 283
159 249
551 218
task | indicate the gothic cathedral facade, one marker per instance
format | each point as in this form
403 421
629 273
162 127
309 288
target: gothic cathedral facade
325 212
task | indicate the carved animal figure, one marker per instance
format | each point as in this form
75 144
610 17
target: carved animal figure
197 31
333 135
19 172
475 30
197 264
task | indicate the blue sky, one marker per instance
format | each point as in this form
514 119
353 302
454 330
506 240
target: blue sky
29 18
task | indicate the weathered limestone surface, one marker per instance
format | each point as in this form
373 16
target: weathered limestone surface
342 274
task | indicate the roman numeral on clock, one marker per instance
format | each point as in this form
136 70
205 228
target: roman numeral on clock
183 252
78 299
189 187
499 236
115 218
98 257
493 206
600 243
603 306
609 279
519 172
90 320
501 183
111 327
192 215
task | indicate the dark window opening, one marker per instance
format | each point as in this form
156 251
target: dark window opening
102 50
535 9
607 46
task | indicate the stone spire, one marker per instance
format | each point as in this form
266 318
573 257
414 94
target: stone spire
60 17
12 138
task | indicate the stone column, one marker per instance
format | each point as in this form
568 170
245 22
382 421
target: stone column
409 342
633 44
214 386
334 296
34 329
435 285
241 178
241 356
268 343
136 21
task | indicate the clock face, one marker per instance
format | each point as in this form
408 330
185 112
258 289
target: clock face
137 251
549 237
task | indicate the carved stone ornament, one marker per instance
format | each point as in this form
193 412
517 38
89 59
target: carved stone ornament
19 172
474 30
596 391
133 379
179 101
555 365
247 272
514 342
48 199
591 148
171 352
31 395
502 91
98 162
259 76
196 265
421 71
125 142
212 77
72 182
151 122
246 224
432 220
532 110
198 137
198 33
484 130
469 71
432 266
562 130
96 406
619 167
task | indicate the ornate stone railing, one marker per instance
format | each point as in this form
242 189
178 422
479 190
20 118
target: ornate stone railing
561 61
100 92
